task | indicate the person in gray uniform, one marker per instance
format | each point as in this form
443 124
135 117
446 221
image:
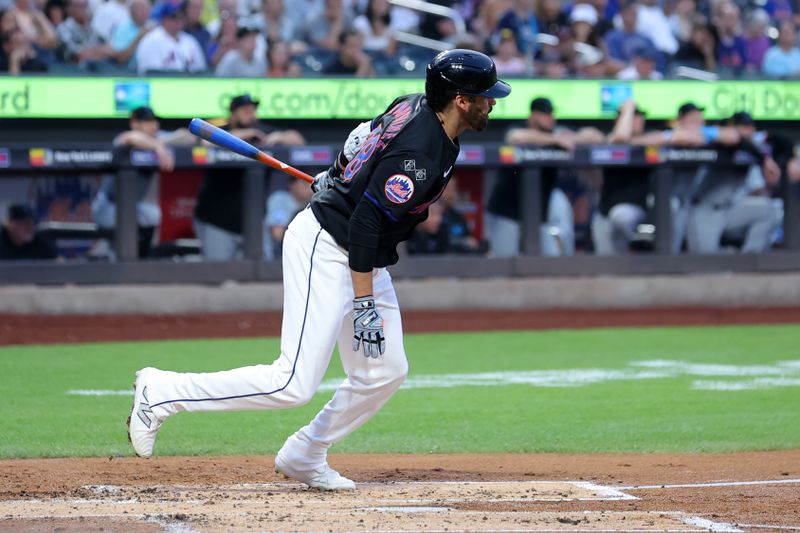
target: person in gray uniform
729 202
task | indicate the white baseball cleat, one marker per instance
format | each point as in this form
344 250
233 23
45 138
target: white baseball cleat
323 477
142 423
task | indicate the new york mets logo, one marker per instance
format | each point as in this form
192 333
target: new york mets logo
399 188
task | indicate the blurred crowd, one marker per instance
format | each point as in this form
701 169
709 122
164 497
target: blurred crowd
625 39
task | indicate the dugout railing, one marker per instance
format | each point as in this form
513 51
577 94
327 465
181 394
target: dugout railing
667 162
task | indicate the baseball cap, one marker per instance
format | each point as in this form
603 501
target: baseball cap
167 9
143 113
742 118
245 31
583 13
241 100
645 52
687 108
20 212
542 105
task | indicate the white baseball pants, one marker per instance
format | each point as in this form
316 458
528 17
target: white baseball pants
317 313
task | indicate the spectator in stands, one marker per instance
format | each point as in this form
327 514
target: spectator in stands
756 41
144 134
56 12
193 13
520 21
700 51
781 10
243 61
376 29
224 39
557 234
325 29
19 240
731 49
350 59
593 62
550 17
34 24
623 42
226 9
507 57
282 206
80 44
279 61
275 24
126 37
108 16
653 24
642 67
681 20
168 48
17 55
783 59
218 214
437 27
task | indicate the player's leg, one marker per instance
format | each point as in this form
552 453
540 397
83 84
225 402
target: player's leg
759 216
704 229
217 244
558 232
369 384
602 235
504 235
625 219
314 270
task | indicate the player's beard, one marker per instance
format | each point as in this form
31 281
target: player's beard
476 118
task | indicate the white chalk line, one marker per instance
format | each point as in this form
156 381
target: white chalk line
712 484
764 526
737 377
710 525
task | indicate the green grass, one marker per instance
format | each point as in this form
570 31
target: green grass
665 414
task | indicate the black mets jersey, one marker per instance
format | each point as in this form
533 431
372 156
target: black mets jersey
401 168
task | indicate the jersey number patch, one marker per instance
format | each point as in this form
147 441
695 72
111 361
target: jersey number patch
399 188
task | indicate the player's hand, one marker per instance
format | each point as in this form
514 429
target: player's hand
356 138
322 181
368 327
772 172
166 161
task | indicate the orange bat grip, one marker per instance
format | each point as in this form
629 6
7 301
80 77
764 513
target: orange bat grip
280 165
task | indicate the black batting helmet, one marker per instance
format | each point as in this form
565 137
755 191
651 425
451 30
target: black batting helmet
461 71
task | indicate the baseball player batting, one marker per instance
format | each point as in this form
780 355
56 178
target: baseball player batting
336 286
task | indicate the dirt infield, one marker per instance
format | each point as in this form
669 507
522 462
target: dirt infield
487 492
617 492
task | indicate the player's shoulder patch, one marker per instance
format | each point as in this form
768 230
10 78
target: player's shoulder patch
399 188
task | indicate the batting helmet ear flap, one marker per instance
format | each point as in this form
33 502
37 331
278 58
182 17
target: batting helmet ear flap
462 71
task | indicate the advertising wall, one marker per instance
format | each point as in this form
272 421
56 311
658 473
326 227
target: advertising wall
65 98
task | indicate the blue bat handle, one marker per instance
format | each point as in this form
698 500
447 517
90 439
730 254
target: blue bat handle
220 137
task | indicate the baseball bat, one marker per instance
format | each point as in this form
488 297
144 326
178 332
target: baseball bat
222 138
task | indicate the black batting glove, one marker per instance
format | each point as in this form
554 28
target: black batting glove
368 327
